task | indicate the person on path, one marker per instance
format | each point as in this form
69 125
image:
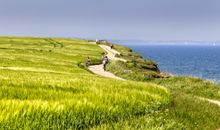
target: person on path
88 62
104 62
111 45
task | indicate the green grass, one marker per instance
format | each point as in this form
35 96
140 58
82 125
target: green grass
42 86
133 70
187 110
191 86
136 68
184 113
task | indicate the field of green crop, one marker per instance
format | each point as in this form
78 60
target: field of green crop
42 87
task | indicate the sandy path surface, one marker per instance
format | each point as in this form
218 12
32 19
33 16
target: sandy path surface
111 53
211 101
98 69
215 102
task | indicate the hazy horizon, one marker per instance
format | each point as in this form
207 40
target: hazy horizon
144 20
185 43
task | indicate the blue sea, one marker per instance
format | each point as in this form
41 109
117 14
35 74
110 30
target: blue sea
198 61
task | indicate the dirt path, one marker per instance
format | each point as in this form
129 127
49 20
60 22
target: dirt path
98 69
211 101
111 53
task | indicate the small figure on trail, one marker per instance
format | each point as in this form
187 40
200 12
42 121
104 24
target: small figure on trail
88 61
104 62
111 45
96 41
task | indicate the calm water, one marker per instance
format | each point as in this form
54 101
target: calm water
199 61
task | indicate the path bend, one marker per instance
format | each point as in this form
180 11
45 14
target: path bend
98 69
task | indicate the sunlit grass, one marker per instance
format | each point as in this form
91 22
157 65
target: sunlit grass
42 87
186 111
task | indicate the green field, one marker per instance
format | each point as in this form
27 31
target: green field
42 87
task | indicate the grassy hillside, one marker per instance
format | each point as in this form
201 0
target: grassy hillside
187 110
42 87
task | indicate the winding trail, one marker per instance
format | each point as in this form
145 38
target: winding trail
98 69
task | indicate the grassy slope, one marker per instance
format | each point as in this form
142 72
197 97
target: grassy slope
185 112
41 87
135 67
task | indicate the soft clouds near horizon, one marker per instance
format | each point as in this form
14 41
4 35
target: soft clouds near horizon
113 19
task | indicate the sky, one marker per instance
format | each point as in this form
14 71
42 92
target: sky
149 20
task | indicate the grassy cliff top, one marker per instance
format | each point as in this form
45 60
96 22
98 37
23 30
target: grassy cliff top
189 108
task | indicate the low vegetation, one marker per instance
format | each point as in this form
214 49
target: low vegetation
185 113
191 86
187 110
42 86
133 70
136 67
